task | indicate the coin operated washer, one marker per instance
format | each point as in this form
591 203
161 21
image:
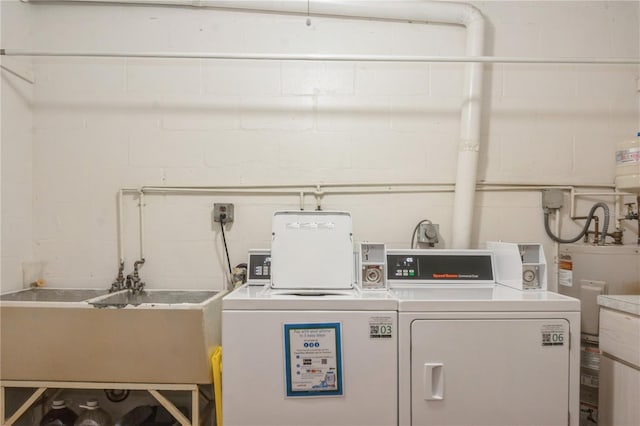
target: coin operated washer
474 351
309 347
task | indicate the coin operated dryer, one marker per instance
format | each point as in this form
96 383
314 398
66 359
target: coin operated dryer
476 352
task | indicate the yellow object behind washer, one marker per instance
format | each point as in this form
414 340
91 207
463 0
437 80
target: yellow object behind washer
216 363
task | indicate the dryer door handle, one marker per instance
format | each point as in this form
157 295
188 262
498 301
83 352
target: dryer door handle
433 381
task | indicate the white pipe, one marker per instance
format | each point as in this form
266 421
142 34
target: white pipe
321 57
141 211
344 187
121 227
575 195
320 190
556 249
313 186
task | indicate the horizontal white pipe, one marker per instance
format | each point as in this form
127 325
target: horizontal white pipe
343 189
323 57
574 195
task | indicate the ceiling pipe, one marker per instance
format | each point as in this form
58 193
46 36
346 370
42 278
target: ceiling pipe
314 57
403 11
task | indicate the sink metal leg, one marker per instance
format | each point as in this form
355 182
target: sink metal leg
20 411
170 407
195 408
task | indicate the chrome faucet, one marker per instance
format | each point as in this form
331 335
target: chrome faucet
133 282
119 283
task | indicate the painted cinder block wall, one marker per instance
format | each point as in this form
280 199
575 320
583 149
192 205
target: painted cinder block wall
103 124
16 136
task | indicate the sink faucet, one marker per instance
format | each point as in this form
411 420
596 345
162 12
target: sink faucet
118 284
133 282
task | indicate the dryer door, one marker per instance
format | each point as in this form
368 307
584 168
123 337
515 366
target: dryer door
490 372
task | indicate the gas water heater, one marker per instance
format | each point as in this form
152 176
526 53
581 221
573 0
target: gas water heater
586 271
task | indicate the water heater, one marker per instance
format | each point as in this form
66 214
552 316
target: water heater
585 272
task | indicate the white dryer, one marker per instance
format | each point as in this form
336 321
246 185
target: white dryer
474 352
309 347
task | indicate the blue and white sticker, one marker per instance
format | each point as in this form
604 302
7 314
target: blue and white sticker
313 355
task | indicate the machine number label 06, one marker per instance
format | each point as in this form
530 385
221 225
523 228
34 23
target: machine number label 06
380 328
552 335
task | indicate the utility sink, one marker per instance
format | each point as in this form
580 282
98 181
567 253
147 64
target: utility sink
157 336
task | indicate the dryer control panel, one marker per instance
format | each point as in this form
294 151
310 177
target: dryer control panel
435 266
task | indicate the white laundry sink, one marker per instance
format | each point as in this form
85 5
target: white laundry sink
159 336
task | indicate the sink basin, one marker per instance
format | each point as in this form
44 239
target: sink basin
52 295
158 336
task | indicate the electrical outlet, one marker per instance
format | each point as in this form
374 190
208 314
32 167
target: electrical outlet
428 233
223 212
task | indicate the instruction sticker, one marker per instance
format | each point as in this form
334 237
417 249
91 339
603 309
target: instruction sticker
313 356
552 335
565 271
381 327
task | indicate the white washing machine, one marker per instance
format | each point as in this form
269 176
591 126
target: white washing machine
309 347
474 352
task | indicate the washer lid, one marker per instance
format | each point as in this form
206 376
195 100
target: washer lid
311 250
255 298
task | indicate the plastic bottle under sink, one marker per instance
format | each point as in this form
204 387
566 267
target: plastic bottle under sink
59 415
93 415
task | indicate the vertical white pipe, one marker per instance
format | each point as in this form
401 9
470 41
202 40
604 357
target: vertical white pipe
469 147
556 249
141 212
121 227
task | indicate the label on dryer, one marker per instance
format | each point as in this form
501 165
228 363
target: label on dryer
313 355
552 335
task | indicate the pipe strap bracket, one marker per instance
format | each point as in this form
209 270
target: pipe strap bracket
468 145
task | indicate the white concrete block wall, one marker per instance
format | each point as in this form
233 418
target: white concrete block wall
104 124
17 234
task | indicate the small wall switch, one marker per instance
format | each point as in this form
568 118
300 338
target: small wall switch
223 212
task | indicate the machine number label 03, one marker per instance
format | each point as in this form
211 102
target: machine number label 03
380 328
552 335
313 354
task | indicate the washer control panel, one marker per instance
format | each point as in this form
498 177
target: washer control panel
259 266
